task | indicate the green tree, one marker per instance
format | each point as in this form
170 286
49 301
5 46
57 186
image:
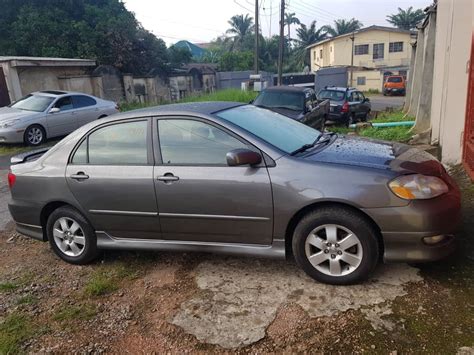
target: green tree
343 26
406 19
236 61
100 29
305 37
241 28
291 19
179 56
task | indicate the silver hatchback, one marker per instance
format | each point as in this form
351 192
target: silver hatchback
47 114
238 179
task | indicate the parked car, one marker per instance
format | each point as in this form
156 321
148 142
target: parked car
298 103
238 179
394 85
47 114
348 105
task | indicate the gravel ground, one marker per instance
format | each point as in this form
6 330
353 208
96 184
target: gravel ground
175 302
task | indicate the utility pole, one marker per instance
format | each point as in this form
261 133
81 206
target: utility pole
256 38
352 57
282 38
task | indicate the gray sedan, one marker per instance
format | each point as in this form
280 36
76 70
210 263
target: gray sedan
238 179
47 114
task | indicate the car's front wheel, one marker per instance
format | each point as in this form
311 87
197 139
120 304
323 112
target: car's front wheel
34 135
71 236
336 245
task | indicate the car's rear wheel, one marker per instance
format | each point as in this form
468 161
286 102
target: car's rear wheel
336 246
351 119
71 237
34 135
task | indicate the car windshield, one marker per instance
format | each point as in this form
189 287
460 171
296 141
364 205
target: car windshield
333 95
289 100
394 79
280 131
36 103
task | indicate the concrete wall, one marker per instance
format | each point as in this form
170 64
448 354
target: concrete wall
450 78
338 51
373 79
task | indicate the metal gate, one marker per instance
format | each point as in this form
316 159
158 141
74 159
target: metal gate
4 97
330 77
468 151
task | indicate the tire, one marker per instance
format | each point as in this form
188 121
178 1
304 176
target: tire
103 116
35 135
365 117
350 119
361 250
71 237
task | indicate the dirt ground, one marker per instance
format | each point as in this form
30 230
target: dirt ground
155 302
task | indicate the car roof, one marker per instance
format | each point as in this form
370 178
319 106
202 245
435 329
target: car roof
287 88
190 108
58 93
338 88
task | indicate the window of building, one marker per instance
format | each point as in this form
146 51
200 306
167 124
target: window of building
395 47
379 51
361 49
361 80
321 53
192 142
118 144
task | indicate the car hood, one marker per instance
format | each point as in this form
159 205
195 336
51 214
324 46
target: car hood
364 152
8 113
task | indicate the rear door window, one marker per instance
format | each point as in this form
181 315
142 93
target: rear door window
64 103
81 101
117 144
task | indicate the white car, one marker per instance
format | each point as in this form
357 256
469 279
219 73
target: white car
47 114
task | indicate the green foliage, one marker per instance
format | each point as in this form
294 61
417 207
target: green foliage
100 29
236 61
241 29
305 37
343 26
27 300
14 330
396 116
8 286
101 283
69 313
399 134
179 56
406 19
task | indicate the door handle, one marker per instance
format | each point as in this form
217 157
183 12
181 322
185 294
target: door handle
168 177
79 176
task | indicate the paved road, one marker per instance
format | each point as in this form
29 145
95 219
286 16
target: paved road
380 102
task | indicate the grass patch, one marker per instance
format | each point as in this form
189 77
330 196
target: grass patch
8 286
72 312
12 149
234 95
395 116
371 92
27 300
339 129
400 134
100 284
14 330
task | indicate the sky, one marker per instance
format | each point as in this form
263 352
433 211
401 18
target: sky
200 21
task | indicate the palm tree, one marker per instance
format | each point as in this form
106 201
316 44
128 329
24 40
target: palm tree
305 37
406 19
343 26
291 19
241 27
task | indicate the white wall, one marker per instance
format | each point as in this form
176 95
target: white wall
450 80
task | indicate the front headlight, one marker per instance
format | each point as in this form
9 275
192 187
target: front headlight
8 123
418 187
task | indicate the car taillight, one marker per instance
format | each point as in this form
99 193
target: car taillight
345 107
11 179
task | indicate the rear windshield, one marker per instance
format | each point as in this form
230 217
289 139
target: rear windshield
394 79
36 103
332 95
289 100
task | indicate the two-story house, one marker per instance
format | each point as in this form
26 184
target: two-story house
375 50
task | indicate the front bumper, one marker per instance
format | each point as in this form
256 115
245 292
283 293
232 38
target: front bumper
394 91
11 135
403 228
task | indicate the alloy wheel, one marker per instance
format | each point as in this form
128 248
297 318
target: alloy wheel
35 135
69 236
333 250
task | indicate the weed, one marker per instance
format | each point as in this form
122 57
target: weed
8 286
100 284
14 330
27 300
400 134
73 312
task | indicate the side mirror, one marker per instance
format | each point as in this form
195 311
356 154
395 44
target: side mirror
366 99
238 157
55 110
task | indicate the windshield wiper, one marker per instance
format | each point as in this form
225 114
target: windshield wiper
305 147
